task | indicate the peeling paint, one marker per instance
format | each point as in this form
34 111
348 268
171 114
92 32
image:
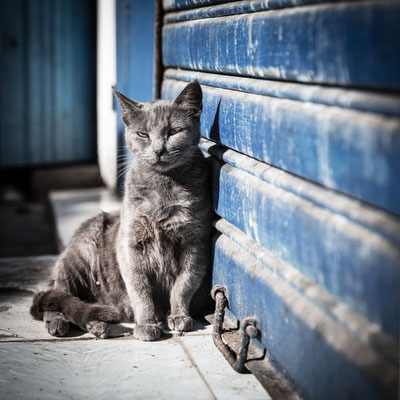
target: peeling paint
351 151
350 261
310 343
299 173
318 51
231 8
372 218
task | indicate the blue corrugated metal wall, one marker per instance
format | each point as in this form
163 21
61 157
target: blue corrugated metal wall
47 94
301 122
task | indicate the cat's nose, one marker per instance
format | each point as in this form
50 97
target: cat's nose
159 152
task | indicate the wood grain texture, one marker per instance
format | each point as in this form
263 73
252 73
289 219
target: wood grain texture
348 260
183 4
338 44
48 96
301 124
13 126
372 218
362 100
231 8
320 355
355 152
135 61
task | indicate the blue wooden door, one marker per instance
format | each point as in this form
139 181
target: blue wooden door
301 122
47 69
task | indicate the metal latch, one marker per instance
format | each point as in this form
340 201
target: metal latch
248 329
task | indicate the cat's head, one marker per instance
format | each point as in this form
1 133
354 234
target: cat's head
163 134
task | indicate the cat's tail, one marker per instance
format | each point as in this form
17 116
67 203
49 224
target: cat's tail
76 310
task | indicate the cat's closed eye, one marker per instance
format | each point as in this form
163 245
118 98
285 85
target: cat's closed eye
142 134
174 131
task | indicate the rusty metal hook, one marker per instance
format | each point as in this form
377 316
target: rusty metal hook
248 330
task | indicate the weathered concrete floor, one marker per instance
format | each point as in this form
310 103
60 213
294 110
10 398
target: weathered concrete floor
35 365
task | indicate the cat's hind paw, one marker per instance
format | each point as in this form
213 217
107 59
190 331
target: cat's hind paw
57 326
180 323
99 329
147 332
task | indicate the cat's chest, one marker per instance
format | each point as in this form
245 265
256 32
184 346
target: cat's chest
171 210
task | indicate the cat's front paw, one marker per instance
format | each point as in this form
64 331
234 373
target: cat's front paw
99 329
57 326
147 332
181 323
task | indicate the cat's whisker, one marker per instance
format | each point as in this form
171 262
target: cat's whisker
127 162
122 172
119 159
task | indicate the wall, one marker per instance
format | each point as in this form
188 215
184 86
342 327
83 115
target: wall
47 69
301 123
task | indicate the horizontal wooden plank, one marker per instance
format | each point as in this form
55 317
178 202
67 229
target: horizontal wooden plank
350 261
184 4
299 335
361 327
302 44
355 152
362 100
232 8
374 219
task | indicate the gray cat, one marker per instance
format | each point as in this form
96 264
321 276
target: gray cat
148 263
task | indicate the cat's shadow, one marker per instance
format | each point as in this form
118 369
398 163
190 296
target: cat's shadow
117 330
126 330
75 332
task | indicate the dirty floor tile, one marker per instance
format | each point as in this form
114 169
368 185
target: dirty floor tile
16 323
98 369
224 382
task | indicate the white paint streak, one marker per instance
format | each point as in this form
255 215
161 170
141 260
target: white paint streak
106 77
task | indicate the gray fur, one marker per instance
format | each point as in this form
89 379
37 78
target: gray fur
148 261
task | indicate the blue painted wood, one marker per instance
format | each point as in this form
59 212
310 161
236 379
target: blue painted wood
35 53
241 7
50 117
182 4
135 59
318 268
13 84
354 152
358 265
47 79
135 48
370 217
317 353
363 100
60 84
84 40
303 44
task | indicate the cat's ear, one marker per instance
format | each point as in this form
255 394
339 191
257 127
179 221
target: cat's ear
191 97
129 107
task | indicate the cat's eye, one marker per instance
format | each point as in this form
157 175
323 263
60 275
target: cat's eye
174 131
142 135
